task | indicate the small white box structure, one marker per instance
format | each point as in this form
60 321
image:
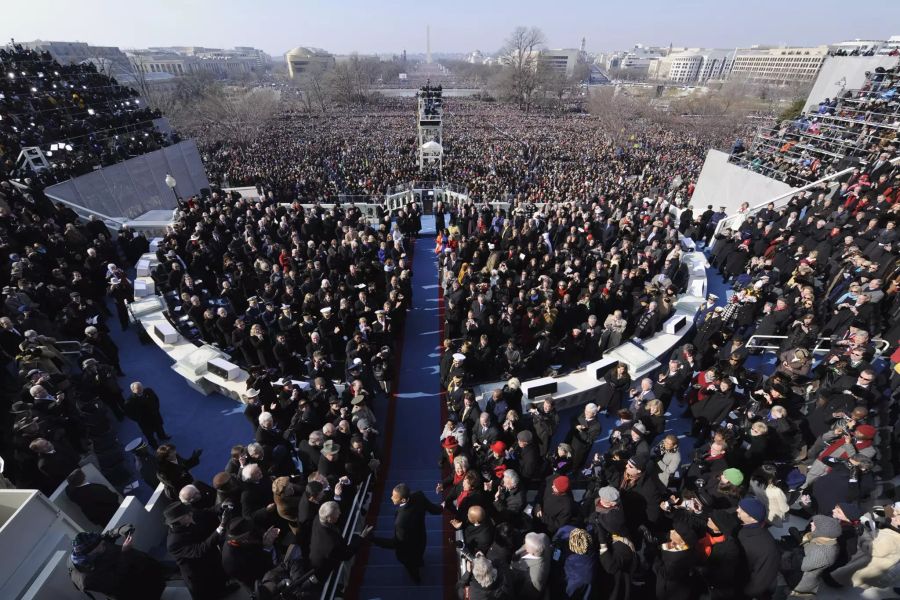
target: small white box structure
539 387
674 323
196 361
143 267
144 286
165 332
223 368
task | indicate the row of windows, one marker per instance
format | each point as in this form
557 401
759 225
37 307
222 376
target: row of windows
778 61
174 69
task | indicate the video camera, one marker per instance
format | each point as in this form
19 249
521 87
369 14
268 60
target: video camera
114 534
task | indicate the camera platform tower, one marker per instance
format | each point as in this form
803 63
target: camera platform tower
430 118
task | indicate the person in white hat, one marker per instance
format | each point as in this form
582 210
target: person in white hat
122 293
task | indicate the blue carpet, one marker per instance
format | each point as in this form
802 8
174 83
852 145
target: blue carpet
414 448
212 423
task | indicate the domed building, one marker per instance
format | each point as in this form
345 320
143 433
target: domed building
301 59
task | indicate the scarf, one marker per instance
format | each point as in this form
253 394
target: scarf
706 543
838 443
462 496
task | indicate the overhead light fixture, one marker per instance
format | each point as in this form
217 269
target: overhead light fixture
68 147
54 146
41 74
33 89
91 111
12 75
137 101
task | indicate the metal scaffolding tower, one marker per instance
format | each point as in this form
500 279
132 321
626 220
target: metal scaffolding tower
430 116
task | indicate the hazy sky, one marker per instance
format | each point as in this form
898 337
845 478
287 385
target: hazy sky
343 26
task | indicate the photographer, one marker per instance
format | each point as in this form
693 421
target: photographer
193 541
482 580
98 564
668 459
859 442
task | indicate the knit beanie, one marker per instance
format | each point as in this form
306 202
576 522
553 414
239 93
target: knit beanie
609 494
734 476
754 508
724 520
826 527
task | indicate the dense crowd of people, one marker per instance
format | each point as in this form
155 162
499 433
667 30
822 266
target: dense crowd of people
808 448
836 135
312 303
304 300
493 150
56 275
81 119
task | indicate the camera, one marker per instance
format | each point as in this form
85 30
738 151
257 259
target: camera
463 552
122 531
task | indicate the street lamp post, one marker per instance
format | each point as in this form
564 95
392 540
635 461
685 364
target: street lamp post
171 183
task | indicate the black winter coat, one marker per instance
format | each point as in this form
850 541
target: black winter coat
195 549
761 560
673 574
557 510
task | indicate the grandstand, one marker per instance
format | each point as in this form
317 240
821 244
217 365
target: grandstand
837 134
334 328
82 139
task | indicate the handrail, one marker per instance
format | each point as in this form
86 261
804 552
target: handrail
738 218
330 589
881 346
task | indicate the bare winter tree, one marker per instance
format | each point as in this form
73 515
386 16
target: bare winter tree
154 96
520 79
313 83
350 81
239 117
620 114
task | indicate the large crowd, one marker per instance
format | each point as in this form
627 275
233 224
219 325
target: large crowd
807 449
81 119
587 253
834 136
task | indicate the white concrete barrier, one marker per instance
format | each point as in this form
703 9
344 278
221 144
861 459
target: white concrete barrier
641 356
32 531
149 524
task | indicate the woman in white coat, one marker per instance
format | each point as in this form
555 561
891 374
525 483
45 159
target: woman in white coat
883 570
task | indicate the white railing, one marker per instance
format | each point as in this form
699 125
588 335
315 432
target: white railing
335 581
770 343
734 221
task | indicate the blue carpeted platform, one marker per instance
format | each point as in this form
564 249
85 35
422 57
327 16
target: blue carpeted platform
212 423
414 449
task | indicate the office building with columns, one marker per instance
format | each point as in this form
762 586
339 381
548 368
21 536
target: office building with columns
778 66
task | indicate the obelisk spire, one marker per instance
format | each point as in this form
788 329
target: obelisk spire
428 44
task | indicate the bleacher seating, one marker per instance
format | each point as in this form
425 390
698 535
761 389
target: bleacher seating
854 127
80 118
